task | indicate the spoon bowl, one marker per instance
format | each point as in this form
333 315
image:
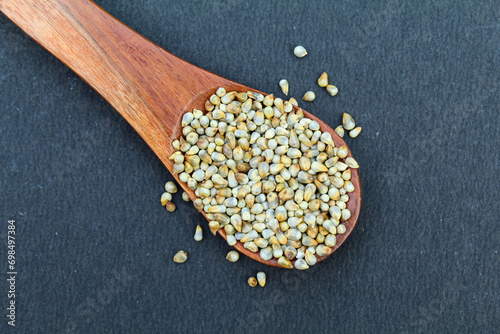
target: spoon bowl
148 86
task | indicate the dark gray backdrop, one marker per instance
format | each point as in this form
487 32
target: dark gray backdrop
94 246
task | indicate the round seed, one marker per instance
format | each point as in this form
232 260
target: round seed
341 229
261 278
233 256
332 90
252 281
355 132
171 187
301 264
165 197
348 122
180 257
340 130
198 235
351 162
299 51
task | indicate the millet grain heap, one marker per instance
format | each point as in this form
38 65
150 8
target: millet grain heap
267 175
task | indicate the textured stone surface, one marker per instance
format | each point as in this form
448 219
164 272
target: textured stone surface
95 247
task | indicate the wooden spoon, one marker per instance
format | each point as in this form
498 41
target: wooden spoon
148 86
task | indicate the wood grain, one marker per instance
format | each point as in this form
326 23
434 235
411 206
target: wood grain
148 86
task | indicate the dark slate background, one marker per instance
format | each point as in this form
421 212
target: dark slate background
95 248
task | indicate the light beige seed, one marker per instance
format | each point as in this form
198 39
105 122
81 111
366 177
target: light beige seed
287 106
276 168
226 99
323 250
261 278
301 264
286 194
266 253
250 236
242 97
198 235
221 91
332 90
180 257
321 187
251 246
198 204
222 219
293 234
252 281
304 163
355 132
219 157
294 153
310 258
341 229
342 152
318 167
309 96
278 102
348 122
348 186
290 252
229 229
268 100
285 263
217 209
351 162
281 213
330 240
233 256
299 51
341 166
293 101
323 80
346 214
340 130
187 118
346 175
165 197
171 187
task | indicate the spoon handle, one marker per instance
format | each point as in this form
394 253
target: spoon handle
147 85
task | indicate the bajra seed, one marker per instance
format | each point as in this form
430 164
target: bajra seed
180 257
252 281
165 197
332 90
171 187
348 122
309 96
170 206
323 80
233 256
299 51
355 132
